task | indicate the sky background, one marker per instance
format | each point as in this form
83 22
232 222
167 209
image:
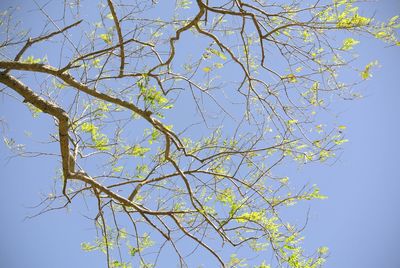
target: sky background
358 222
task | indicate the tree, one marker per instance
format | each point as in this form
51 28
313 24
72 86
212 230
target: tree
176 120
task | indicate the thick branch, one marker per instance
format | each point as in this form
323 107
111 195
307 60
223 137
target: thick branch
70 80
67 78
122 200
63 125
120 38
49 108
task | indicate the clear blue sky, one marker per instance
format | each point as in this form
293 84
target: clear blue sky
359 221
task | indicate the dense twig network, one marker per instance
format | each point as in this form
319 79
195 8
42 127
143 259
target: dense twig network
174 117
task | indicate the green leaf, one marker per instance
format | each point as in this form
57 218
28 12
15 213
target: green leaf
236 262
217 53
324 154
315 194
33 60
306 36
263 265
106 38
290 77
339 142
146 241
206 69
118 169
133 251
255 216
100 140
393 20
185 4
118 264
155 134
323 250
88 247
349 43
354 20
381 34
34 110
138 151
227 196
96 63
88 127
152 97
366 73
218 65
